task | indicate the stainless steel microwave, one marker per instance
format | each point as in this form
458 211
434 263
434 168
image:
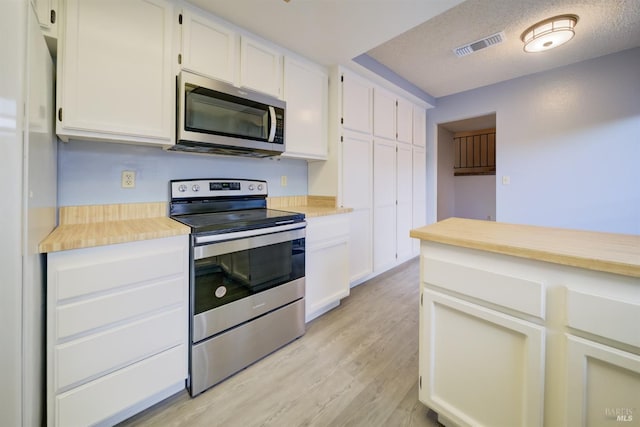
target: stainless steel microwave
218 118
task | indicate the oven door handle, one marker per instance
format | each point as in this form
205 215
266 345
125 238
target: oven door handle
198 240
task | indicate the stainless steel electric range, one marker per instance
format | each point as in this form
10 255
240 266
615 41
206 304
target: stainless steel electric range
247 279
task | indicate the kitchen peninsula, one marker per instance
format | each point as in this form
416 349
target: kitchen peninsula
530 326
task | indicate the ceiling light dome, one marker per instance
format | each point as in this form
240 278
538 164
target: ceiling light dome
549 33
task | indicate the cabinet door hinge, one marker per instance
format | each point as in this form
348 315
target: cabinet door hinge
179 59
180 19
52 16
341 120
421 297
342 78
60 113
420 382
341 138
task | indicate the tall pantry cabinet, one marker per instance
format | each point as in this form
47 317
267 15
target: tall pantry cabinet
376 167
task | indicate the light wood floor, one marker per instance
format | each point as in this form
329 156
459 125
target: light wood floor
357 365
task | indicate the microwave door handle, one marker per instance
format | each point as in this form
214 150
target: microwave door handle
273 124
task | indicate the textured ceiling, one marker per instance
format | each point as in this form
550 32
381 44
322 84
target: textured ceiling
424 56
415 38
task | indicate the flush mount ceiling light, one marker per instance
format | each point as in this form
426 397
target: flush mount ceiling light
549 33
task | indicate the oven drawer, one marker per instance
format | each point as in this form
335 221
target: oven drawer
223 355
229 315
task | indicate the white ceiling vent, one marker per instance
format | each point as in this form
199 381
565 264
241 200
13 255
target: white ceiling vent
477 45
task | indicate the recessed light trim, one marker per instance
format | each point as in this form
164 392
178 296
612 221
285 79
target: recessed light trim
549 33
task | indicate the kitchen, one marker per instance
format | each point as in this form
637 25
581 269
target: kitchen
600 185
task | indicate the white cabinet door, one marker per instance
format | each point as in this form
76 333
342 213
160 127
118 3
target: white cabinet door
604 384
356 103
327 263
356 185
419 188
47 11
404 120
419 126
115 79
490 375
384 113
208 48
306 91
384 204
260 67
404 207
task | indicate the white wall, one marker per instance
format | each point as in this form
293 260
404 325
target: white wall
89 172
475 197
568 140
446 184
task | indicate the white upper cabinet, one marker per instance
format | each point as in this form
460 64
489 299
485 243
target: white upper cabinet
384 114
47 11
208 48
404 121
260 67
306 89
356 104
114 76
419 126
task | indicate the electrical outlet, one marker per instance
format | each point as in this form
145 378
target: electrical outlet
283 181
128 179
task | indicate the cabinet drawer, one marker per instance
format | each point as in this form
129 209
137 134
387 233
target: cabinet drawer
329 227
89 356
604 316
96 270
108 395
89 314
511 292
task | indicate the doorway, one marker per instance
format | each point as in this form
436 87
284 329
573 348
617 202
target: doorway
466 168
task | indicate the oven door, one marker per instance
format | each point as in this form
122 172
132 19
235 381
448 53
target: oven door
235 281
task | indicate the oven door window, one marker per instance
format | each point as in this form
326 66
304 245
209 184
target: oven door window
227 277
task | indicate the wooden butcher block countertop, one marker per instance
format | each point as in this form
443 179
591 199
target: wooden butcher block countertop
606 252
310 206
98 225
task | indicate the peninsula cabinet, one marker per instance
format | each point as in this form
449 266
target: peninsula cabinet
117 329
114 71
528 326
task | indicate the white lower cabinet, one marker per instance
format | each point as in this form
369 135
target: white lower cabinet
327 263
604 384
480 367
508 341
117 329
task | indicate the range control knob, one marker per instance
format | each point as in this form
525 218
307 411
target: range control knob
182 188
195 187
251 187
259 187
